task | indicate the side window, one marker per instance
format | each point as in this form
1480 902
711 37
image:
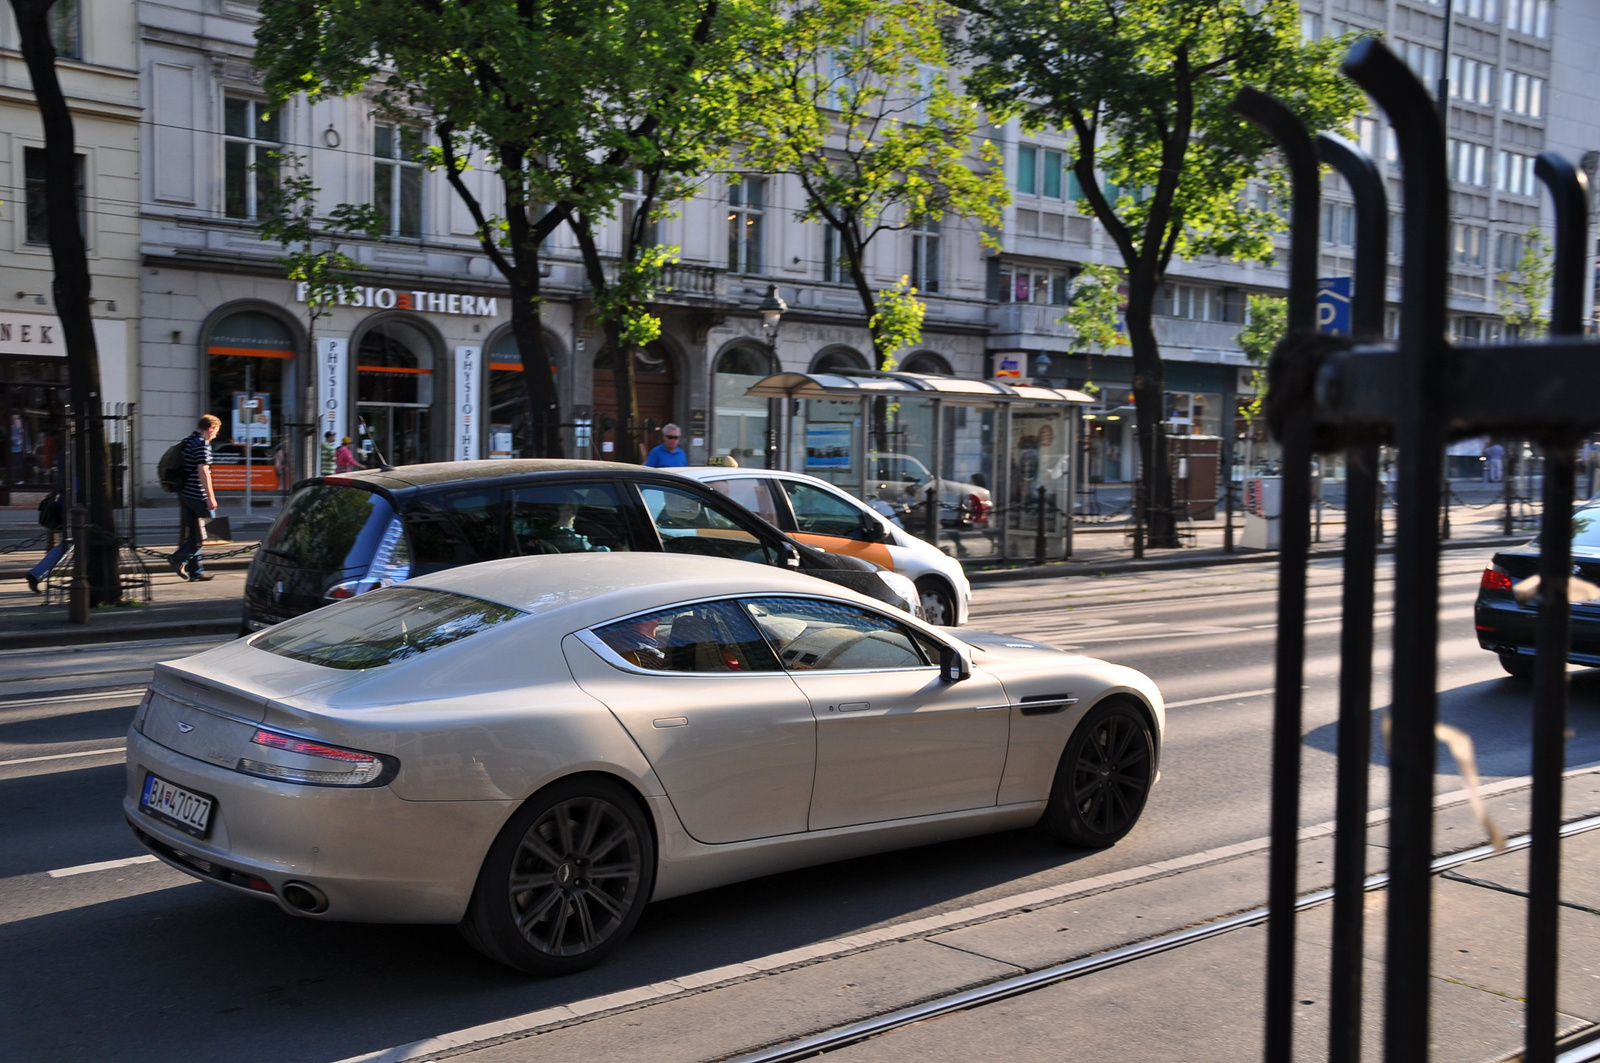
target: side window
477 514
751 493
694 524
821 513
815 635
567 519
705 637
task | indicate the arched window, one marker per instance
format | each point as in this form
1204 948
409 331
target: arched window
509 434
838 360
740 423
926 362
394 394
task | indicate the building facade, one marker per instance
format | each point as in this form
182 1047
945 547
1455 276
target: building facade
98 69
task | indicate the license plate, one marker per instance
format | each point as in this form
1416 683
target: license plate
188 811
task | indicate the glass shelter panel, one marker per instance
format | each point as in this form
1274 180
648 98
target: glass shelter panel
740 422
1040 457
968 438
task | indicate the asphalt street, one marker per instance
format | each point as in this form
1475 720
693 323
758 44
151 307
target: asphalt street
115 960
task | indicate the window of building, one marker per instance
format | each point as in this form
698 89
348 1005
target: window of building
1522 94
1469 163
250 143
397 180
1507 251
835 264
1054 167
632 200
1027 181
37 213
1339 224
747 203
1466 244
1529 16
1310 27
1230 306
1035 284
926 244
1478 9
1513 173
1471 80
66 29
1423 61
250 383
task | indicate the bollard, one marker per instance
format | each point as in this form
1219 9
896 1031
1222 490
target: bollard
1038 532
78 595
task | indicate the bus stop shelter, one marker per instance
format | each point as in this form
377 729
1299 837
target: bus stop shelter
983 468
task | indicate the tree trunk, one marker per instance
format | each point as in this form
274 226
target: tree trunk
544 408
1150 402
622 374
90 481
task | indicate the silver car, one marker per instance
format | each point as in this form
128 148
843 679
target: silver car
534 748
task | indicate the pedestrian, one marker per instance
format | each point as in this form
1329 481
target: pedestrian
52 518
1494 470
197 501
329 455
666 454
16 450
343 459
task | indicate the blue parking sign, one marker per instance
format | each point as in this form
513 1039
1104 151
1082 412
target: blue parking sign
1333 305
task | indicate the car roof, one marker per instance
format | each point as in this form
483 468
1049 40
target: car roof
598 586
439 473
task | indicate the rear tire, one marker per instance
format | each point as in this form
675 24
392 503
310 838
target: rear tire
566 880
1517 665
938 602
1104 777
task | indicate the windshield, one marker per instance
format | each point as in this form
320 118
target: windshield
1586 528
329 528
383 627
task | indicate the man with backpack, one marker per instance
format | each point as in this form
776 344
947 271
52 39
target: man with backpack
197 500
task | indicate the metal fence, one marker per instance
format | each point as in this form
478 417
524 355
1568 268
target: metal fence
1352 394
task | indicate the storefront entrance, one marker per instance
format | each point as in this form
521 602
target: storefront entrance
394 375
656 383
33 394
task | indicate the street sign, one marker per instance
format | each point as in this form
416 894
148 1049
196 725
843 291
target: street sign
1333 305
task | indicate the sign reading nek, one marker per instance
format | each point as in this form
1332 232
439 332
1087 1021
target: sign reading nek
35 334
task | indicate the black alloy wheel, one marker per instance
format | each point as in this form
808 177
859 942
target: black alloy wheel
938 602
1104 776
566 880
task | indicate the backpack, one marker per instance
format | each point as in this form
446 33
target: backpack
50 512
169 470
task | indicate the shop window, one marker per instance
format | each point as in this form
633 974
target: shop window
250 384
747 202
250 145
38 219
397 181
509 426
394 389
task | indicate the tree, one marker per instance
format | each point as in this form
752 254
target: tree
290 219
1267 324
1525 299
1094 312
1144 87
853 99
71 287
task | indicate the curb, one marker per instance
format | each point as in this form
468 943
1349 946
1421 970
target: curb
1205 558
90 635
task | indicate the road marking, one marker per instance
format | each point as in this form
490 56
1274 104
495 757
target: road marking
1241 695
64 756
1325 619
104 865
564 1014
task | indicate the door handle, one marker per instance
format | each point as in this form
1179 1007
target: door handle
854 706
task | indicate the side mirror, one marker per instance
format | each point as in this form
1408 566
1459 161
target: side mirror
873 531
953 667
791 555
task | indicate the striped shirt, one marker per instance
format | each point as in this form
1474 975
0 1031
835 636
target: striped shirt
196 452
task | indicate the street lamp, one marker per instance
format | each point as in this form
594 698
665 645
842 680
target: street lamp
772 308
1041 365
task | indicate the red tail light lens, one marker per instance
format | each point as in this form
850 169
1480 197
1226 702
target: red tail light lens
340 767
1495 579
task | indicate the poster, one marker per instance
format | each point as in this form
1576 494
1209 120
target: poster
469 385
828 446
252 417
332 373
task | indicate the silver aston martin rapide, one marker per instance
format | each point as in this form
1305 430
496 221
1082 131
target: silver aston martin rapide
536 747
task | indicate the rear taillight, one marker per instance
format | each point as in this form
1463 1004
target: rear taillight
1495 579
302 760
352 587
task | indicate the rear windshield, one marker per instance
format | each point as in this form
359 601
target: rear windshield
329 528
383 627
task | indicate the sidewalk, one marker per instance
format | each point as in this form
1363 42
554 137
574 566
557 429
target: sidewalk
1197 1002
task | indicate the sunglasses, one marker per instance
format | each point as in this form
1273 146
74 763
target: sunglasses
669 437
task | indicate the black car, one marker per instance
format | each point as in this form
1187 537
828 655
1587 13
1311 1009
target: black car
339 536
1508 627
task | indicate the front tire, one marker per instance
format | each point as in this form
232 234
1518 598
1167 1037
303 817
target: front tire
938 602
566 880
1105 774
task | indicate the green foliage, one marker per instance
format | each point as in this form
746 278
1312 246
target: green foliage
854 98
897 322
1094 308
1525 298
290 219
1269 322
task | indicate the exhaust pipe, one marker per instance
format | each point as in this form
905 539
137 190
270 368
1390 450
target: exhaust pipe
304 897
